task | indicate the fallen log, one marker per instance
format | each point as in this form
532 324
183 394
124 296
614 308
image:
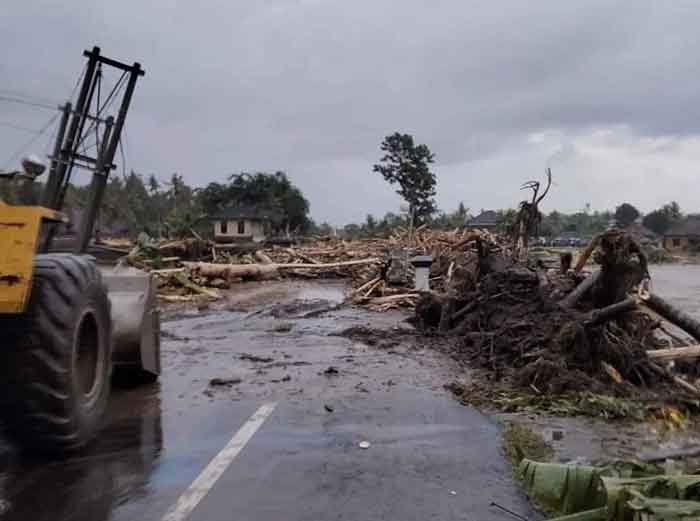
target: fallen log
674 315
185 282
232 271
177 298
264 271
328 265
607 313
366 285
675 353
677 379
580 291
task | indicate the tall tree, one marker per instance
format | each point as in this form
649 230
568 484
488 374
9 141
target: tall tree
408 165
626 214
270 191
661 220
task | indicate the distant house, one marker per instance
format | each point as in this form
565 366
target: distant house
683 236
487 219
243 224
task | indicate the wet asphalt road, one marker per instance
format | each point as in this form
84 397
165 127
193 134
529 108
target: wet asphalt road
429 458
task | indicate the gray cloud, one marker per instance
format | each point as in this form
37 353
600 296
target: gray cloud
312 86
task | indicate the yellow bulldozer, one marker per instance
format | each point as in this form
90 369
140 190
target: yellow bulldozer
66 320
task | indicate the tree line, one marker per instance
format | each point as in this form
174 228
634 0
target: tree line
135 203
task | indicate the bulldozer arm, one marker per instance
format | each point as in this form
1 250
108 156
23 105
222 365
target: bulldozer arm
135 319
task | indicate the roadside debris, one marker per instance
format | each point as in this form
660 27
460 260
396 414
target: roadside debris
218 382
255 358
619 492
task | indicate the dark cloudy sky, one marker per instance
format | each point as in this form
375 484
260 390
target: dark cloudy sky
605 93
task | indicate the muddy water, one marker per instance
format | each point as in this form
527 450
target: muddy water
680 284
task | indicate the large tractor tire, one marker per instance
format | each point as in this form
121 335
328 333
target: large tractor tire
59 357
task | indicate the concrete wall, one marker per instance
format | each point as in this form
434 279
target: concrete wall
252 230
676 244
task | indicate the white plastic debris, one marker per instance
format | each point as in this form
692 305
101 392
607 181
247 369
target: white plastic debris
364 445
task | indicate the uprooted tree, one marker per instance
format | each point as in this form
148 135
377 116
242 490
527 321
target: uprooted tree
529 217
408 165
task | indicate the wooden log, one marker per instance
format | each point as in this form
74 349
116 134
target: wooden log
328 265
393 298
676 379
580 291
264 271
675 353
177 298
185 282
263 258
581 261
366 285
607 313
674 315
232 271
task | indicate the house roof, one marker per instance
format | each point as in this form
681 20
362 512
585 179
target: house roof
485 218
256 213
639 230
690 226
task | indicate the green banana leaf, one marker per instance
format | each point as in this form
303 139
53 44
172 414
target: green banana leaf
623 491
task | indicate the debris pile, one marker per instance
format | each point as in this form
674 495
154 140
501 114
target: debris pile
556 331
379 269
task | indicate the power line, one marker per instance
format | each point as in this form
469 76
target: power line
15 93
17 127
12 99
39 133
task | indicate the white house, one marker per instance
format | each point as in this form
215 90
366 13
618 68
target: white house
242 224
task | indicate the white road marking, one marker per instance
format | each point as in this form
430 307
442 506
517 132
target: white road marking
205 481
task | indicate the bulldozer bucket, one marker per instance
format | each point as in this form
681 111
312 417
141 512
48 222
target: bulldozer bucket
135 319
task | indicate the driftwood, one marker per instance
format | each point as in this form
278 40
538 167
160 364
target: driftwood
366 285
674 315
393 298
675 353
580 291
604 314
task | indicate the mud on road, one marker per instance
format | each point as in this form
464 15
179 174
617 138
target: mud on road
337 375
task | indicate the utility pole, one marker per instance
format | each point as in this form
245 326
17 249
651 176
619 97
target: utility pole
66 156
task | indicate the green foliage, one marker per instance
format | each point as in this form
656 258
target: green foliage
407 164
625 214
271 191
662 219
